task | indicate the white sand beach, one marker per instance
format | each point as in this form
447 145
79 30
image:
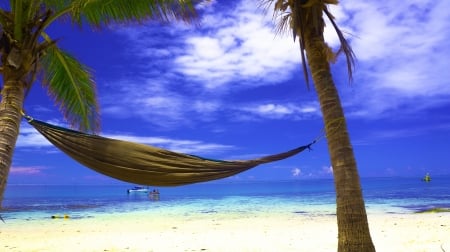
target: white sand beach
137 231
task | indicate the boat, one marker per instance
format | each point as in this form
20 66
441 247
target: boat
138 189
427 178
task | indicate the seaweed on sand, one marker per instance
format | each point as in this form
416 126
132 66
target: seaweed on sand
436 210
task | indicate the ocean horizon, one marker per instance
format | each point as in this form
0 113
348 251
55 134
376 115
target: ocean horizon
307 197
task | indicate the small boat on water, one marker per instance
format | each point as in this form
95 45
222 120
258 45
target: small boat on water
427 178
138 189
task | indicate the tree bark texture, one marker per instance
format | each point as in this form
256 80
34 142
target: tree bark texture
353 228
12 97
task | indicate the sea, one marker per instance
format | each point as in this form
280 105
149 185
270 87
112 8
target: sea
309 197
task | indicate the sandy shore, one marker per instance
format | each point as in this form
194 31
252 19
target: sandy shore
220 232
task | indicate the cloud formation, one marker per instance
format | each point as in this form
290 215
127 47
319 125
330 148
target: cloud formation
189 71
178 145
400 52
32 170
283 111
31 138
296 172
237 45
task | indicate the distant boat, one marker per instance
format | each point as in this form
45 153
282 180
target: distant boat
427 178
138 189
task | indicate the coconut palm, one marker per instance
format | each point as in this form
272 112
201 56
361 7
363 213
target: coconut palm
304 18
28 52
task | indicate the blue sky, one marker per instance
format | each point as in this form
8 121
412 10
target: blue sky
231 88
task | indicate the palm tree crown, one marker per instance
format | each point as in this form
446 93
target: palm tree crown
28 52
26 48
303 16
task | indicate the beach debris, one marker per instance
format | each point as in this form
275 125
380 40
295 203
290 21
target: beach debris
154 195
1 218
435 210
65 216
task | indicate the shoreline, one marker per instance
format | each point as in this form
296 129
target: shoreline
217 231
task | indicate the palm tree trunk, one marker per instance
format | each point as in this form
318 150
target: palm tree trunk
353 228
10 106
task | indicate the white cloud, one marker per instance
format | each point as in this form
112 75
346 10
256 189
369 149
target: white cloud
327 170
31 138
157 102
283 111
31 170
296 172
401 51
271 108
189 71
177 145
237 45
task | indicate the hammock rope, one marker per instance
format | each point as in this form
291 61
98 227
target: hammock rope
144 164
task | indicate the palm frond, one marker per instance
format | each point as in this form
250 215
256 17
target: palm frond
56 4
17 9
32 9
71 85
297 26
39 21
101 12
296 16
345 47
5 18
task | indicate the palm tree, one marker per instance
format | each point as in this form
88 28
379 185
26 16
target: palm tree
26 52
304 18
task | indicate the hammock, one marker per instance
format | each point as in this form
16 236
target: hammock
144 164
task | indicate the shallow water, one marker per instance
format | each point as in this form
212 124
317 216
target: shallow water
309 197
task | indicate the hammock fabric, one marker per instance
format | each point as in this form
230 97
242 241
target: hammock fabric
144 164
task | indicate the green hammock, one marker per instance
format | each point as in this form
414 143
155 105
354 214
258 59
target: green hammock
144 164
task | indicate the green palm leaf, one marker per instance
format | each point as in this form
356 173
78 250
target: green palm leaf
26 50
294 16
101 12
71 85
97 11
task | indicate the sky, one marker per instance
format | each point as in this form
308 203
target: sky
232 88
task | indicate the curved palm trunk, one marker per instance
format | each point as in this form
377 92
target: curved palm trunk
10 117
353 228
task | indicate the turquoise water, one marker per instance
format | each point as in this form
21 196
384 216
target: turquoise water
311 197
